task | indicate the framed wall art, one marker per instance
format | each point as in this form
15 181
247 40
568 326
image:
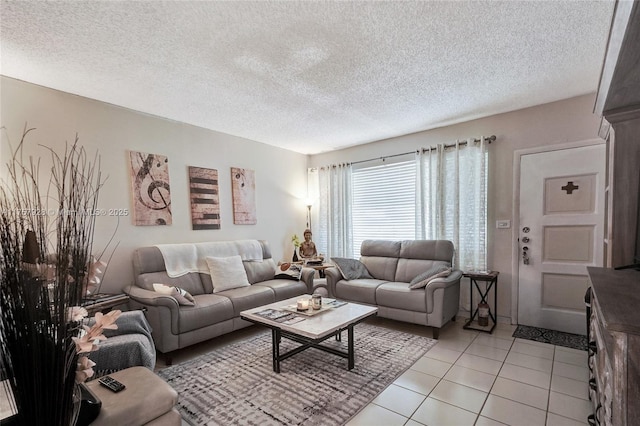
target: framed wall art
205 202
243 192
150 188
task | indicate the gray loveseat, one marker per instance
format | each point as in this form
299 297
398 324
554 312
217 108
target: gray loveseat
175 326
393 265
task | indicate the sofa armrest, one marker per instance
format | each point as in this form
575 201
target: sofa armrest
154 301
306 277
152 298
453 278
441 283
333 275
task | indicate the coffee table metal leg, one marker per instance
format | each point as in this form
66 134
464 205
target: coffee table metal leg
275 337
352 358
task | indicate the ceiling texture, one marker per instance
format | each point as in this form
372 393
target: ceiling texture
310 76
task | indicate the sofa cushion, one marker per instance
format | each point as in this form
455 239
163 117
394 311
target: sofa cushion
208 309
351 269
361 290
284 288
427 249
259 271
227 273
288 271
189 282
408 269
399 295
244 298
183 297
381 248
382 268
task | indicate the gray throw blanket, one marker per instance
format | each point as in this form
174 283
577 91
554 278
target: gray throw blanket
128 346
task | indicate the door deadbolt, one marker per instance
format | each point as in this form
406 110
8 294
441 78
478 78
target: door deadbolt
525 255
526 229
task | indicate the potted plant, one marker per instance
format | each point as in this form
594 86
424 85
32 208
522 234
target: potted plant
46 235
296 243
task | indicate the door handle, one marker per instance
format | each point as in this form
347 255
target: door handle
525 249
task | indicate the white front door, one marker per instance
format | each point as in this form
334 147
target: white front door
560 233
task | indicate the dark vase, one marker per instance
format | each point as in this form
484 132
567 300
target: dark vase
90 406
295 254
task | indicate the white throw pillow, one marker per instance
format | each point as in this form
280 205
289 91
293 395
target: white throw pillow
227 273
181 295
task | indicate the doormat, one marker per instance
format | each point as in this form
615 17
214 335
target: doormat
559 338
236 385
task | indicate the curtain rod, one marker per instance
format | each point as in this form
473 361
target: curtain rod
489 139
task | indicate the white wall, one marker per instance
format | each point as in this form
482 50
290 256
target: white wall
57 117
569 120
280 174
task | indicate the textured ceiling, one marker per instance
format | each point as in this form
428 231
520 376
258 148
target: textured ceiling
310 76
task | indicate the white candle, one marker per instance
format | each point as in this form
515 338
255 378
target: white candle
303 304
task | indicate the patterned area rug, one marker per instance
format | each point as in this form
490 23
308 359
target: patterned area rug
575 341
236 385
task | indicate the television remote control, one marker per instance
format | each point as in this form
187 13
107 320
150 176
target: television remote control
111 383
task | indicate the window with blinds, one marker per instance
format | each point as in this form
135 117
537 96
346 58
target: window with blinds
384 203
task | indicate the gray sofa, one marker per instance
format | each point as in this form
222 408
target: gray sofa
393 265
175 326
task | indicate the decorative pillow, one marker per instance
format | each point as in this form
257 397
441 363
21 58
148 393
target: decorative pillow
289 271
438 270
227 273
351 269
182 296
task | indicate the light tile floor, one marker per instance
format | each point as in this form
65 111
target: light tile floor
468 378
474 378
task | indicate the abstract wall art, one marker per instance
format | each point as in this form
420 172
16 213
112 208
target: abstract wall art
205 204
150 189
243 191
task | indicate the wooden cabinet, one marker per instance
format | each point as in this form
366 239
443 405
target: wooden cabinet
622 200
614 347
618 102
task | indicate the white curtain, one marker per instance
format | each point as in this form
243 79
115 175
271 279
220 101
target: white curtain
451 200
335 238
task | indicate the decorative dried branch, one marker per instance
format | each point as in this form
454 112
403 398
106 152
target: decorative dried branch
38 355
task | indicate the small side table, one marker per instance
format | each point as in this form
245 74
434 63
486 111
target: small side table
319 267
103 302
320 284
491 282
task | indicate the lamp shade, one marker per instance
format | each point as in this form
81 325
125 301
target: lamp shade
30 249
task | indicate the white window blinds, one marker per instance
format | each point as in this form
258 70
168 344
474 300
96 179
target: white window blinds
384 202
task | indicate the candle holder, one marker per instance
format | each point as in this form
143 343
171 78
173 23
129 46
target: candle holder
316 301
303 305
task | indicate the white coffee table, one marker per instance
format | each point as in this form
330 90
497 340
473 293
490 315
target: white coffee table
313 329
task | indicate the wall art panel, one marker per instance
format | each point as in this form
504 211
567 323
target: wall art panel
205 202
243 191
150 189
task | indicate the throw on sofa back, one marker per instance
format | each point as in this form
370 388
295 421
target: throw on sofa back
149 268
401 261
